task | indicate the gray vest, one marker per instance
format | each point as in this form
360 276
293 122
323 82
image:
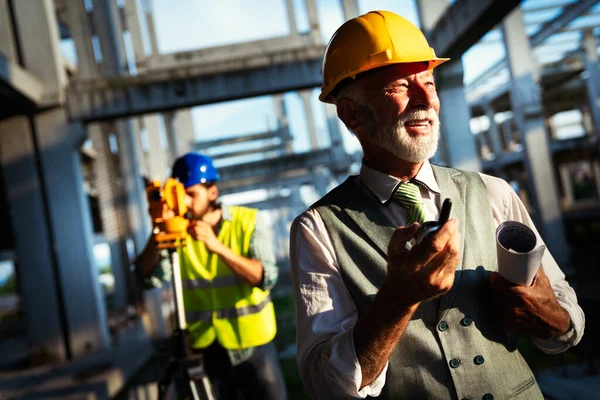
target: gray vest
453 348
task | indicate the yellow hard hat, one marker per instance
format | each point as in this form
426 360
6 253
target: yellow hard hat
373 40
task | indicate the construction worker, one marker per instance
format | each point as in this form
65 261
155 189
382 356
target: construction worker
379 314
227 269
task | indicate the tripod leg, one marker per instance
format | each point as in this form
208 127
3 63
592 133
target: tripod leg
165 382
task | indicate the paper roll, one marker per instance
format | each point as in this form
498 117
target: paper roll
519 256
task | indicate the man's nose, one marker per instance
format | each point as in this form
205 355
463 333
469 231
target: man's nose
422 97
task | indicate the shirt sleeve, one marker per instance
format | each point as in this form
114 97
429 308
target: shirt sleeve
261 249
507 206
162 273
325 316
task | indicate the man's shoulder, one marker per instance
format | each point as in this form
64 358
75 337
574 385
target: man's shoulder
496 187
337 195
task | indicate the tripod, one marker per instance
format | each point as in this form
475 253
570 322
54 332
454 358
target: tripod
184 369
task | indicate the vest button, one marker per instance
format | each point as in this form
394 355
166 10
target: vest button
443 325
466 321
487 396
454 363
478 360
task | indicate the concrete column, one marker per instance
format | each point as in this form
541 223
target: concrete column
430 11
321 181
136 207
282 121
306 96
340 159
565 178
494 135
135 193
135 30
148 12
157 156
313 21
180 133
507 134
107 22
350 9
596 169
590 45
43 310
114 220
291 15
457 144
71 223
587 121
527 109
77 20
7 37
39 40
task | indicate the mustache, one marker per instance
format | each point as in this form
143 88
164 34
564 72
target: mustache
419 114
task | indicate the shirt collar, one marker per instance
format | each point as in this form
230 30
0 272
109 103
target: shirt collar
383 185
225 212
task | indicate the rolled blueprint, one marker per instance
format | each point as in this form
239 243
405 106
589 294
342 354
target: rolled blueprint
519 255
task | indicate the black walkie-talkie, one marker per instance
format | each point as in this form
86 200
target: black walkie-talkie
428 228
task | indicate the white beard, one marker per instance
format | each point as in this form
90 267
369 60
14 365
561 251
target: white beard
395 139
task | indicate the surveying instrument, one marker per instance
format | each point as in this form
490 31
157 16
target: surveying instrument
184 369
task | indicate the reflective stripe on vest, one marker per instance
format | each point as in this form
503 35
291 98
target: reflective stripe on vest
230 313
217 282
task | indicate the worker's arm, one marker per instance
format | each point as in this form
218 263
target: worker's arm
148 260
250 270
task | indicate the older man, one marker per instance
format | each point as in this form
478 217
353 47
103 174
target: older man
376 316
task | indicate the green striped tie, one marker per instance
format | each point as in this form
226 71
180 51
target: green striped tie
409 197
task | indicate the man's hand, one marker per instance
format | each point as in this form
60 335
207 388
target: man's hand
203 232
427 270
532 310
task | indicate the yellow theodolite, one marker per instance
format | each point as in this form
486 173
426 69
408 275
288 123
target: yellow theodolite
168 232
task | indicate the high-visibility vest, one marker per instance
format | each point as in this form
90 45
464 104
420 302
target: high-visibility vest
218 304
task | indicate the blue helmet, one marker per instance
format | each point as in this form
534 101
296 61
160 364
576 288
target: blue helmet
194 168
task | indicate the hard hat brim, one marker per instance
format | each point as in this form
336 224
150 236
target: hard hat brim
326 91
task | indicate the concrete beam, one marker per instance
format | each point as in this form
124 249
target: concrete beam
208 144
126 97
257 174
464 24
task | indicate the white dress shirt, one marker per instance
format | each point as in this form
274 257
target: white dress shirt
326 313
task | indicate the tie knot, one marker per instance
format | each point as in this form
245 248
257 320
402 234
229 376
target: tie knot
408 194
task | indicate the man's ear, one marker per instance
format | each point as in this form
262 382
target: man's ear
213 192
348 112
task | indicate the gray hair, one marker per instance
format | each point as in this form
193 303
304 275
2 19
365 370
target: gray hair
356 93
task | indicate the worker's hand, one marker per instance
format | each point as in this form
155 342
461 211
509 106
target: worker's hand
427 270
529 310
203 232
167 212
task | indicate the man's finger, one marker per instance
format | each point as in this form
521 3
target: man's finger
400 237
431 247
